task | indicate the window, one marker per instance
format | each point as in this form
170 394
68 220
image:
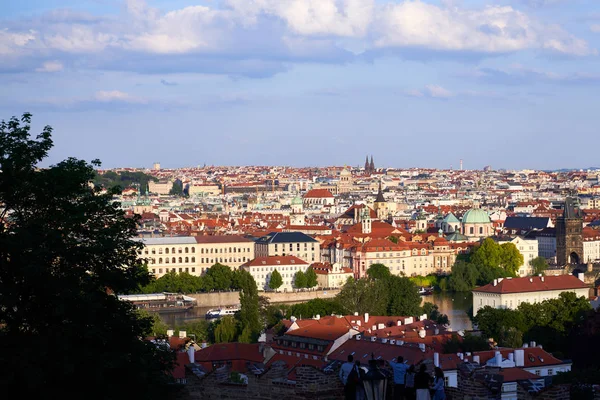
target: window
180 250
173 260
160 270
538 372
166 260
160 251
550 371
471 230
187 250
193 259
160 260
187 259
153 251
193 269
173 250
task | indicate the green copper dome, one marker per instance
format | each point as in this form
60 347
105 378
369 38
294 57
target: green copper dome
296 201
476 216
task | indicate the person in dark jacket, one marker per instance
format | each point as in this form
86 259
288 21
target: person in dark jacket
422 380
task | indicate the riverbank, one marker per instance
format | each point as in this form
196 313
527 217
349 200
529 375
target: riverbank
224 299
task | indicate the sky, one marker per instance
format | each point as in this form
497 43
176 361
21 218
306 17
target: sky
416 83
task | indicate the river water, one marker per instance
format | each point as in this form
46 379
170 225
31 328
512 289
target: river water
455 305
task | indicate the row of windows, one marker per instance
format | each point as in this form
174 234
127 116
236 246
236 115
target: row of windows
291 246
186 250
181 260
160 270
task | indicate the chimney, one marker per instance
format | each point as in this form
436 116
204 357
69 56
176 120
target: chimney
366 317
318 317
495 282
498 359
422 347
436 331
374 328
422 333
191 353
182 334
203 345
356 314
408 320
519 358
500 280
581 276
511 357
380 326
525 345
423 317
542 277
476 359
170 332
358 322
461 356
530 279
436 359
532 344
399 323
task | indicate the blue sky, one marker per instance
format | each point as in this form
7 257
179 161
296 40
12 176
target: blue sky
507 83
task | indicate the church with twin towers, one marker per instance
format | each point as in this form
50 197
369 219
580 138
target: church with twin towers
369 166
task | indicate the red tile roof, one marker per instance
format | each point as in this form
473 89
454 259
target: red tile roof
318 193
533 284
274 260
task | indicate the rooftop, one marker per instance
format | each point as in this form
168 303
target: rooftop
533 284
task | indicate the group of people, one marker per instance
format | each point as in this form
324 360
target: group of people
408 383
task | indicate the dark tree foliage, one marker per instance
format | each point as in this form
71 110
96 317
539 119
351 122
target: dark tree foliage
434 314
300 280
124 179
249 314
378 271
315 307
177 189
63 248
468 343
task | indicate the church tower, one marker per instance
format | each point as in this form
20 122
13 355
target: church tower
365 219
372 166
569 237
297 215
380 205
367 165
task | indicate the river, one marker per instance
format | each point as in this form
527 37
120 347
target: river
455 305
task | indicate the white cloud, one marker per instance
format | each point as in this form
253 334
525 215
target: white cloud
595 28
414 93
438 91
51 66
225 38
12 42
493 29
116 96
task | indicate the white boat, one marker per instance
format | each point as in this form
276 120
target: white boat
425 291
221 312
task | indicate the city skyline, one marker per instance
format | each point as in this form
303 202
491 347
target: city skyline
509 83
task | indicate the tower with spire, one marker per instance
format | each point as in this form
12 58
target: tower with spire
380 205
372 166
367 165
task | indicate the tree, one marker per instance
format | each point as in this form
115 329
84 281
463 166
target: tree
315 307
511 258
300 280
64 249
311 278
403 296
487 254
364 296
464 277
276 280
378 271
393 239
539 265
494 322
159 327
249 314
433 313
225 330
220 276
177 188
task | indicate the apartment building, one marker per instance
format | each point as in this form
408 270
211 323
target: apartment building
261 269
195 254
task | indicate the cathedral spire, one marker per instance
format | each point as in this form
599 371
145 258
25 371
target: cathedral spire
367 164
372 166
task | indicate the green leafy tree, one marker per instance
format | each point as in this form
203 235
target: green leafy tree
225 330
403 296
316 307
300 280
468 343
464 277
511 258
249 314
364 296
393 239
311 278
276 280
159 327
177 188
378 271
434 314
494 322
539 265
64 248
220 276
487 254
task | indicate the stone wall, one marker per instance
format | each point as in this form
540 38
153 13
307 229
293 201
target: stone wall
216 299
